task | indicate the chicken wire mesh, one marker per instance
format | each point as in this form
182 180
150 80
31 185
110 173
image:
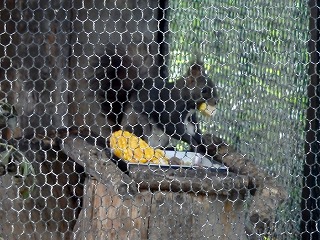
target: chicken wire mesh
74 73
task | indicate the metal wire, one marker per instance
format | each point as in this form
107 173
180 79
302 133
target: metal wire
92 64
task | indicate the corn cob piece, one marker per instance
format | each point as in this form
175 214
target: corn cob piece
129 147
207 109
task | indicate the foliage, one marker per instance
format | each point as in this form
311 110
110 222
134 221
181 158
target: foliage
17 164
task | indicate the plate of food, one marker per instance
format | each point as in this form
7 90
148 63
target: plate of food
134 151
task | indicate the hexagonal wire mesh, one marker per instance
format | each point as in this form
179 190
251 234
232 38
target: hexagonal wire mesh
90 89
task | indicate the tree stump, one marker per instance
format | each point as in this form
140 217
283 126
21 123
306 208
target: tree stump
158 215
168 204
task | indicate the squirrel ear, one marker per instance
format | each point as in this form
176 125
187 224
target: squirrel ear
191 81
195 70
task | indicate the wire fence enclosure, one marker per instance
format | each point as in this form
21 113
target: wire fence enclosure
159 119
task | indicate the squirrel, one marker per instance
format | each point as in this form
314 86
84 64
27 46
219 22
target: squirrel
152 107
116 72
158 109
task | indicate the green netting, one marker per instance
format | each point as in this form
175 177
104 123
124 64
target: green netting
256 52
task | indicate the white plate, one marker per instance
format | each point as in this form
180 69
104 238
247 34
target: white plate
194 159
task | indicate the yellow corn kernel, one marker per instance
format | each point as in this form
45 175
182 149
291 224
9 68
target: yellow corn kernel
129 147
207 109
202 107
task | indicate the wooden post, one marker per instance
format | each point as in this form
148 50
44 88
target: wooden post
158 215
